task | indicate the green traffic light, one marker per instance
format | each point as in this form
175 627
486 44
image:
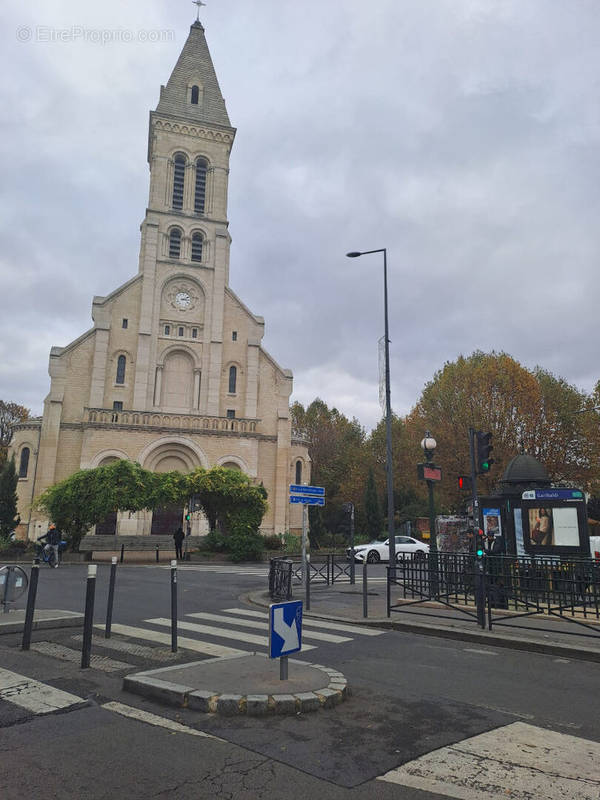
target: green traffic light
485 466
479 553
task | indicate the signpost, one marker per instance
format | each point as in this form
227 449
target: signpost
285 632
308 496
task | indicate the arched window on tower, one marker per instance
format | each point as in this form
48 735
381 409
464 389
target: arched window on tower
24 463
200 188
175 243
195 95
120 369
178 181
197 247
232 379
298 472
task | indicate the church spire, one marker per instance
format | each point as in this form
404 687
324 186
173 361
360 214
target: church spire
192 92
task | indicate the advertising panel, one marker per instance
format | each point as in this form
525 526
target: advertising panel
552 527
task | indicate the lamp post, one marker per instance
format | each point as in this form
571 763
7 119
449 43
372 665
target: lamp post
429 444
388 408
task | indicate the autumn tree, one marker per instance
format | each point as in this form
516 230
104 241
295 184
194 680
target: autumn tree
10 414
335 446
525 410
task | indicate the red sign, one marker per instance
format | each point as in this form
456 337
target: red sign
432 473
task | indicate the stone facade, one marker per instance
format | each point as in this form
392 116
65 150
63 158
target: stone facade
172 374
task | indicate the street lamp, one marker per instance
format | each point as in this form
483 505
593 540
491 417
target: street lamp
429 444
388 408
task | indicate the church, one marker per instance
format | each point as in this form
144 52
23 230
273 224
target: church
172 374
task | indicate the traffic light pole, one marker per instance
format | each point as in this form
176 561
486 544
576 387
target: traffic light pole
478 563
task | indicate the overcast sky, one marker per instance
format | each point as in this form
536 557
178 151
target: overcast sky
462 135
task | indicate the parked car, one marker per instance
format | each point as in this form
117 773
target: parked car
373 552
595 547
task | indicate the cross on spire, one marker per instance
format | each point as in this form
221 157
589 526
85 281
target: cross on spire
198 3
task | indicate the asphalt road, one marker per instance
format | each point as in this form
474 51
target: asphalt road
411 696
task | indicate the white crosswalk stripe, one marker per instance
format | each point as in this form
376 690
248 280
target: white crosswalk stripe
245 628
241 636
343 627
261 572
264 625
185 643
32 695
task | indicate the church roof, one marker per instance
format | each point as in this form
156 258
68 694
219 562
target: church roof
194 66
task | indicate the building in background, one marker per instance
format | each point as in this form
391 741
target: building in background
172 374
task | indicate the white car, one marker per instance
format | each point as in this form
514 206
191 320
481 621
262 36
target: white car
373 552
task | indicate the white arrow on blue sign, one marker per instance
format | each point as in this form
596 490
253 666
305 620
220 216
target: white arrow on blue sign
285 628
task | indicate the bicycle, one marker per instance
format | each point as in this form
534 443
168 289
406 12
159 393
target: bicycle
46 552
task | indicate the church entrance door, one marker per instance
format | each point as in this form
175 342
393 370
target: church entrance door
108 526
167 520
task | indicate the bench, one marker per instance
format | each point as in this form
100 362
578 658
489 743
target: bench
119 545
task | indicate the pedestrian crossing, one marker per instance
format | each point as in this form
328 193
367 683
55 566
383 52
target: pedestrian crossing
236 631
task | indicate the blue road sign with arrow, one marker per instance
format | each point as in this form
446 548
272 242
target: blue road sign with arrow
285 628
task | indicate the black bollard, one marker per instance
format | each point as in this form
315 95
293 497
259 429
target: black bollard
365 609
122 551
111 597
307 581
157 554
174 606
88 619
33 582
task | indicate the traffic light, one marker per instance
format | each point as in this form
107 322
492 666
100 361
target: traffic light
464 483
484 448
188 516
479 543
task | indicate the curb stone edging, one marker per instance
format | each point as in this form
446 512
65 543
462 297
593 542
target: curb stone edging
252 705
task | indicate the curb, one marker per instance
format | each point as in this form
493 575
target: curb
459 634
252 705
72 621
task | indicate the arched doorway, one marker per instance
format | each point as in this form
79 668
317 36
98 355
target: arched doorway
108 526
165 521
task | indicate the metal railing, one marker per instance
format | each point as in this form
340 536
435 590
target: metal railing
526 586
280 579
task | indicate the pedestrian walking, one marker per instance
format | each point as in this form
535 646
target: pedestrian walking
178 538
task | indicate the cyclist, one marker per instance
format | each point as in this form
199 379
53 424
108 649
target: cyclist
52 537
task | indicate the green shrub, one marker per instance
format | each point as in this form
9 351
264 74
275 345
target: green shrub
214 542
273 542
245 546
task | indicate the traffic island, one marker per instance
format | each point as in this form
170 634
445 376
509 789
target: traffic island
245 684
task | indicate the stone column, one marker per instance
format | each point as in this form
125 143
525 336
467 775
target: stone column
158 385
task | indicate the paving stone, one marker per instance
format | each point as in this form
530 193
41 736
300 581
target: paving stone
202 701
329 697
308 701
283 703
229 704
257 705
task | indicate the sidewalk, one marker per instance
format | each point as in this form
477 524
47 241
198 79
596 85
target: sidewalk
342 602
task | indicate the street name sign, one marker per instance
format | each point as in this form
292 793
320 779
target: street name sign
285 628
307 495
307 501
318 491
553 494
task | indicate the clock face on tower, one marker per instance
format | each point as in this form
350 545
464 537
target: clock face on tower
183 300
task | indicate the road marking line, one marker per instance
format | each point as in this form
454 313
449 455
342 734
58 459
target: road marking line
33 695
481 652
241 636
538 763
251 623
183 642
309 623
153 719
